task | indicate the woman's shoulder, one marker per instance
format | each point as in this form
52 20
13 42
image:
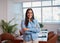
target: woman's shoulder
35 20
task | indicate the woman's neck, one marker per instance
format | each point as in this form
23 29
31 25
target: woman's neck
29 20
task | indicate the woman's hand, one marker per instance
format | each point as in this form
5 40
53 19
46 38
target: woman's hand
25 29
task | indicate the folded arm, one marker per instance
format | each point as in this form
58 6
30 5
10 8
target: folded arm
35 30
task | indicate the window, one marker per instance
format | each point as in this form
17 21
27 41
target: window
47 14
37 15
56 2
56 14
34 4
46 3
44 11
27 4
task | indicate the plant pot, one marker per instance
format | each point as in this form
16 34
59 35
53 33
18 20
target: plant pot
58 38
7 36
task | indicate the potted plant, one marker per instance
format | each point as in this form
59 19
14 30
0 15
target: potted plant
58 38
8 27
41 25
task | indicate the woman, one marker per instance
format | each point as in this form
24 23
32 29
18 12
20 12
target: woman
30 27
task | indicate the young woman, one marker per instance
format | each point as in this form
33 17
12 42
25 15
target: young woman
30 27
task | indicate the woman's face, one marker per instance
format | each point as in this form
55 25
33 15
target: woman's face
29 14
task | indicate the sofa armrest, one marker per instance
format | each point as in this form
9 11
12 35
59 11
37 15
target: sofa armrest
53 39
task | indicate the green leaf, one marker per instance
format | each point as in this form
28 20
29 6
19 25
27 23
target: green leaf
7 27
41 25
11 20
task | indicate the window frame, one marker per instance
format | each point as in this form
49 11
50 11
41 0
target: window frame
52 21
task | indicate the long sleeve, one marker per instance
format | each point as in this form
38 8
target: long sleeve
36 28
32 26
23 26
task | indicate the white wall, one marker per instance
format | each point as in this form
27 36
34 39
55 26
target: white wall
52 26
3 11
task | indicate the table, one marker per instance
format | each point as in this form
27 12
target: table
43 36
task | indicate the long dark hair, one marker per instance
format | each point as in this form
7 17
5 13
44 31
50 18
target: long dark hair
26 18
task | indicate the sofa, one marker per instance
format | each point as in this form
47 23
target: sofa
9 38
52 38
